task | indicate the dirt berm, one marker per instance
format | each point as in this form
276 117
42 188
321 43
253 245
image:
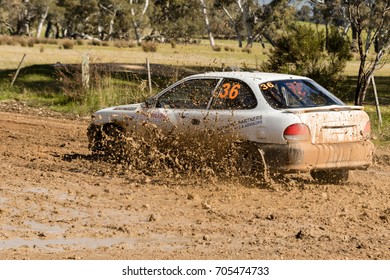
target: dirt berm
59 202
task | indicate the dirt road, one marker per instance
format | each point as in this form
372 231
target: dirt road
58 202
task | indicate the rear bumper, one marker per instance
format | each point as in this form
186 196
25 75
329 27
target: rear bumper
305 156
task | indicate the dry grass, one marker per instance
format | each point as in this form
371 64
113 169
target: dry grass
181 55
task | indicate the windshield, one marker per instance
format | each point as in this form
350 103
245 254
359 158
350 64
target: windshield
297 94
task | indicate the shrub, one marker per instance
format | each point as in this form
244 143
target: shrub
247 50
216 48
121 44
132 44
31 42
22 42
11 41
52 41
79 42
302 51
67 44
149 46
96 42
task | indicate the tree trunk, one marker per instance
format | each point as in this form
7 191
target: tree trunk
244 8
137 23
41 21
111 28
269 39
48 29
361 76
354 47
326 34
113 14
206 19
235 26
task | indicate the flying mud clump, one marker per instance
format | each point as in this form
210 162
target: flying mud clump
206 155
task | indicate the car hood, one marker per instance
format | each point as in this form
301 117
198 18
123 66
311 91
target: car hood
127 107
116 113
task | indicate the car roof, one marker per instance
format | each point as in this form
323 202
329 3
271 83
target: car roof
245 75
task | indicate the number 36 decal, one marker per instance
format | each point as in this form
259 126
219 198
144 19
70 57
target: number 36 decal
266 86
230 90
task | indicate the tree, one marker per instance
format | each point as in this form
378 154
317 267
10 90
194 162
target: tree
371 20
17 16
42 9
80 16
273 19
234 18
240 17
330 13
244 8
138 11
301 50
177 19
207 23
303 14
109 11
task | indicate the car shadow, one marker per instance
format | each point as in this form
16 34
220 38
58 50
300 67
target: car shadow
77 156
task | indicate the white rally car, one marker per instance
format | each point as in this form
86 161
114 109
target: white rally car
287 122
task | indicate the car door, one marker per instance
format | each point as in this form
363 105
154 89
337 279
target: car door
233 113
182 109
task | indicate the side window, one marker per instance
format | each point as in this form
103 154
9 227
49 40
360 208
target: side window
234 95
191 94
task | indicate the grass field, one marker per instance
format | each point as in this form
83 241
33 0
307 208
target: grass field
40 85
181 55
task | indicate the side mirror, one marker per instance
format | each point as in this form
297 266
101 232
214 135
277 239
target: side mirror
150 102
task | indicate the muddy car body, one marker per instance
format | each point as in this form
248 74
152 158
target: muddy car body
294 123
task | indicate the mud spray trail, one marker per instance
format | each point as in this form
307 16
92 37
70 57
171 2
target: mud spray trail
59 202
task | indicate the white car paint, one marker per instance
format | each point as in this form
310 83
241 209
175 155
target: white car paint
338 135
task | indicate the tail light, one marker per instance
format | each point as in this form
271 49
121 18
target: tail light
367 130
296 132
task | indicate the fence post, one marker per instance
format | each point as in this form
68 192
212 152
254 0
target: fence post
18 70
378 109
85 71
149 76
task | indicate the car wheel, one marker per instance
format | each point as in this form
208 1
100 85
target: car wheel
335 176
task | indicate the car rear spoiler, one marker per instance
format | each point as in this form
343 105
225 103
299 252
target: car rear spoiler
323 109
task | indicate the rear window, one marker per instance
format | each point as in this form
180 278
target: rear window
297 94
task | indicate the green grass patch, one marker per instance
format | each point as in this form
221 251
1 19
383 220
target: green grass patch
382 87
380 134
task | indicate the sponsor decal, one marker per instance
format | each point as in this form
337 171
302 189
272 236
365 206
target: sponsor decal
158 116
244 123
